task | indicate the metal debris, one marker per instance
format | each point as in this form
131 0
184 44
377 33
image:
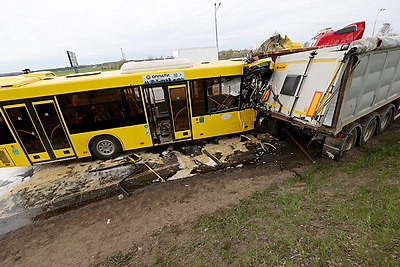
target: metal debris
219 163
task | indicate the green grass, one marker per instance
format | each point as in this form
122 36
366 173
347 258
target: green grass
345 213
105 67
119 259
81 70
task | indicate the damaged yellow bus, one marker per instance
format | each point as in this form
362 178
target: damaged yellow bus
44 118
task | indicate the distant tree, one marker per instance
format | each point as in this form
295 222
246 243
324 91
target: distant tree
386 29
228 54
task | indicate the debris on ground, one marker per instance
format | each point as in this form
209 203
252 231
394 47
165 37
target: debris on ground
52 189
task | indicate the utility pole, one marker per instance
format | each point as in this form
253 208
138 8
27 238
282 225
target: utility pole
380 10
216 27
123 55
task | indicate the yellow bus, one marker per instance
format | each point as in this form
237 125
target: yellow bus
44 118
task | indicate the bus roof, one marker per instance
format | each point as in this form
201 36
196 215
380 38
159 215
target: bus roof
42 84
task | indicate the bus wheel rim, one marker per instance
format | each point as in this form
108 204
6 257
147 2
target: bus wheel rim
106 147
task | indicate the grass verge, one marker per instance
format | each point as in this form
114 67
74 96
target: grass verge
345 213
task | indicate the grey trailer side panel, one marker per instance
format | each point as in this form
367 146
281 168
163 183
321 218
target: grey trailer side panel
387 88
374 82
393 70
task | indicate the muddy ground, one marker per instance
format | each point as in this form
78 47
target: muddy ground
90 233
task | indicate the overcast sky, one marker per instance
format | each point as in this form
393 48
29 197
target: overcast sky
36 34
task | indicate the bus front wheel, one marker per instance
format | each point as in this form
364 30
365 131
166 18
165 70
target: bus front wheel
105 147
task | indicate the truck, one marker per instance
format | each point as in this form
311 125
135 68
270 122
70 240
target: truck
198 54
339 95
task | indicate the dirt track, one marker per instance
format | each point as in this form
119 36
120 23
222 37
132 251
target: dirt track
89 234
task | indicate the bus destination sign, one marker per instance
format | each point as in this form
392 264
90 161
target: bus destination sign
163 77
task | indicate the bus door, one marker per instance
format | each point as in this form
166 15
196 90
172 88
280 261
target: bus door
179 111
158 114
39 128
167 111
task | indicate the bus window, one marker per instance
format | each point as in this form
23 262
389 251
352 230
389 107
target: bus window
5 134
102 109
158 98
179 108
222 95
26 130
198 95
51 124
134 104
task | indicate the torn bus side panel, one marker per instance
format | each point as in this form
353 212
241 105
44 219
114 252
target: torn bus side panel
256 77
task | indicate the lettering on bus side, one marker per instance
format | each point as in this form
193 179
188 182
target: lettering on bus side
163 77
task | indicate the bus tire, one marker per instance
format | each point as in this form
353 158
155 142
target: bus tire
370 124
105 147
261 125
386 117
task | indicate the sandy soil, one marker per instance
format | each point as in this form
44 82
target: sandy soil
91 233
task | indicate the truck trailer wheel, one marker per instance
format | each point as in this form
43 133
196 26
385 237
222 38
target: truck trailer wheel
385 118
275 128
368 130
105 147
350 140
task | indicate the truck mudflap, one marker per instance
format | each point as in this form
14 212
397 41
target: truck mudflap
335 146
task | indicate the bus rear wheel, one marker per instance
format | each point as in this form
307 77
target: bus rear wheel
261 124
105 147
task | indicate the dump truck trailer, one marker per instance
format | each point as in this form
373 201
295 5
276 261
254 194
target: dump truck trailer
340 95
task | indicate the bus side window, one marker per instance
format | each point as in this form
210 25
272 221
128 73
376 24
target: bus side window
223 93
215 95
198 96
5 134
134 105
101 109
